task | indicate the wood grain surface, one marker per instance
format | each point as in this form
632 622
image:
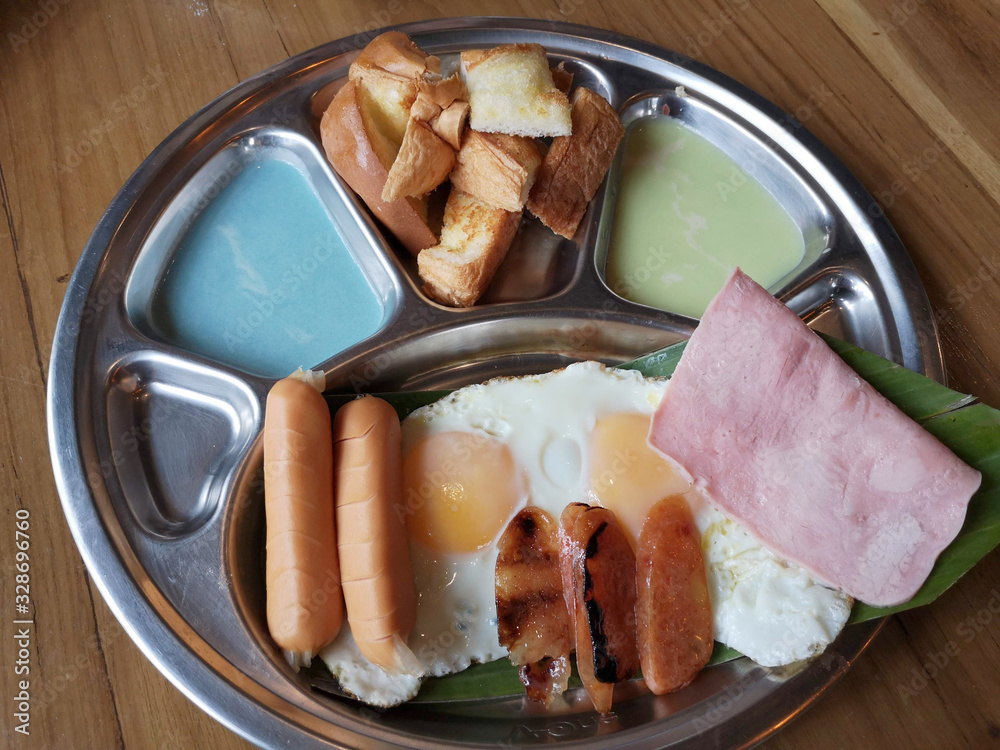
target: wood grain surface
904 92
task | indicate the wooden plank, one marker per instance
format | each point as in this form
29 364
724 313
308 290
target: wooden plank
102 121
69 684
153 713
920 49
901 90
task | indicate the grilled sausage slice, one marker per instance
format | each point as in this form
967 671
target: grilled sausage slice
567 552
605 593
531 611
673 611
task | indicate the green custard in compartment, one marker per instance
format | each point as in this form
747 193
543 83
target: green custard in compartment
262 279
686 215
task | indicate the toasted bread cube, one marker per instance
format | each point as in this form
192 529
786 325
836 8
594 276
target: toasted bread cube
575 165
450 123
498 169
380 132
475 238
386 72
424 109
423 163
511 91
444 91
427 152
353 153
444 105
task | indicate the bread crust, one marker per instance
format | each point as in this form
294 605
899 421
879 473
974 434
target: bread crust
345 140
450 124
474 241
387 70
423 163
562 78
395 53
576 164
511 90
497 168
427 154
445 91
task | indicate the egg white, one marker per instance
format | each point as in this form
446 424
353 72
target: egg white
768 609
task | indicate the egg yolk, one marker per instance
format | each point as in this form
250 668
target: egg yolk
626 475
459 490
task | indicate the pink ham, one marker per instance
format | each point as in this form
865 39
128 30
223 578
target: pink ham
789 441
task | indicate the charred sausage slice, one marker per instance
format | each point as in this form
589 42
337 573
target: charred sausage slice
531 611
605 593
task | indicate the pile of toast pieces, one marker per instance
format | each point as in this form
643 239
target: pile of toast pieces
398 130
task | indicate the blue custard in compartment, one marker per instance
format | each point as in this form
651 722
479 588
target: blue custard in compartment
262 279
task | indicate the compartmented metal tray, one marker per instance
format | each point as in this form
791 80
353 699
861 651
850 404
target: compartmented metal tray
156 449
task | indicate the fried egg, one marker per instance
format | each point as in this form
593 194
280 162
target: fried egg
473 459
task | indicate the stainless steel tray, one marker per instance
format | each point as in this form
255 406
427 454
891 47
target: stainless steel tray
156 450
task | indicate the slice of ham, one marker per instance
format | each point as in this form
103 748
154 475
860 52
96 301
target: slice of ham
788 440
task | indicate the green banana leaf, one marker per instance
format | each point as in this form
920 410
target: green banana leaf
499 678
971 430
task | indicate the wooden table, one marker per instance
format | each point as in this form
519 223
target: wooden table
904 92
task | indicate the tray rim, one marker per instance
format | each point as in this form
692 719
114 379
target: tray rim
94 539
